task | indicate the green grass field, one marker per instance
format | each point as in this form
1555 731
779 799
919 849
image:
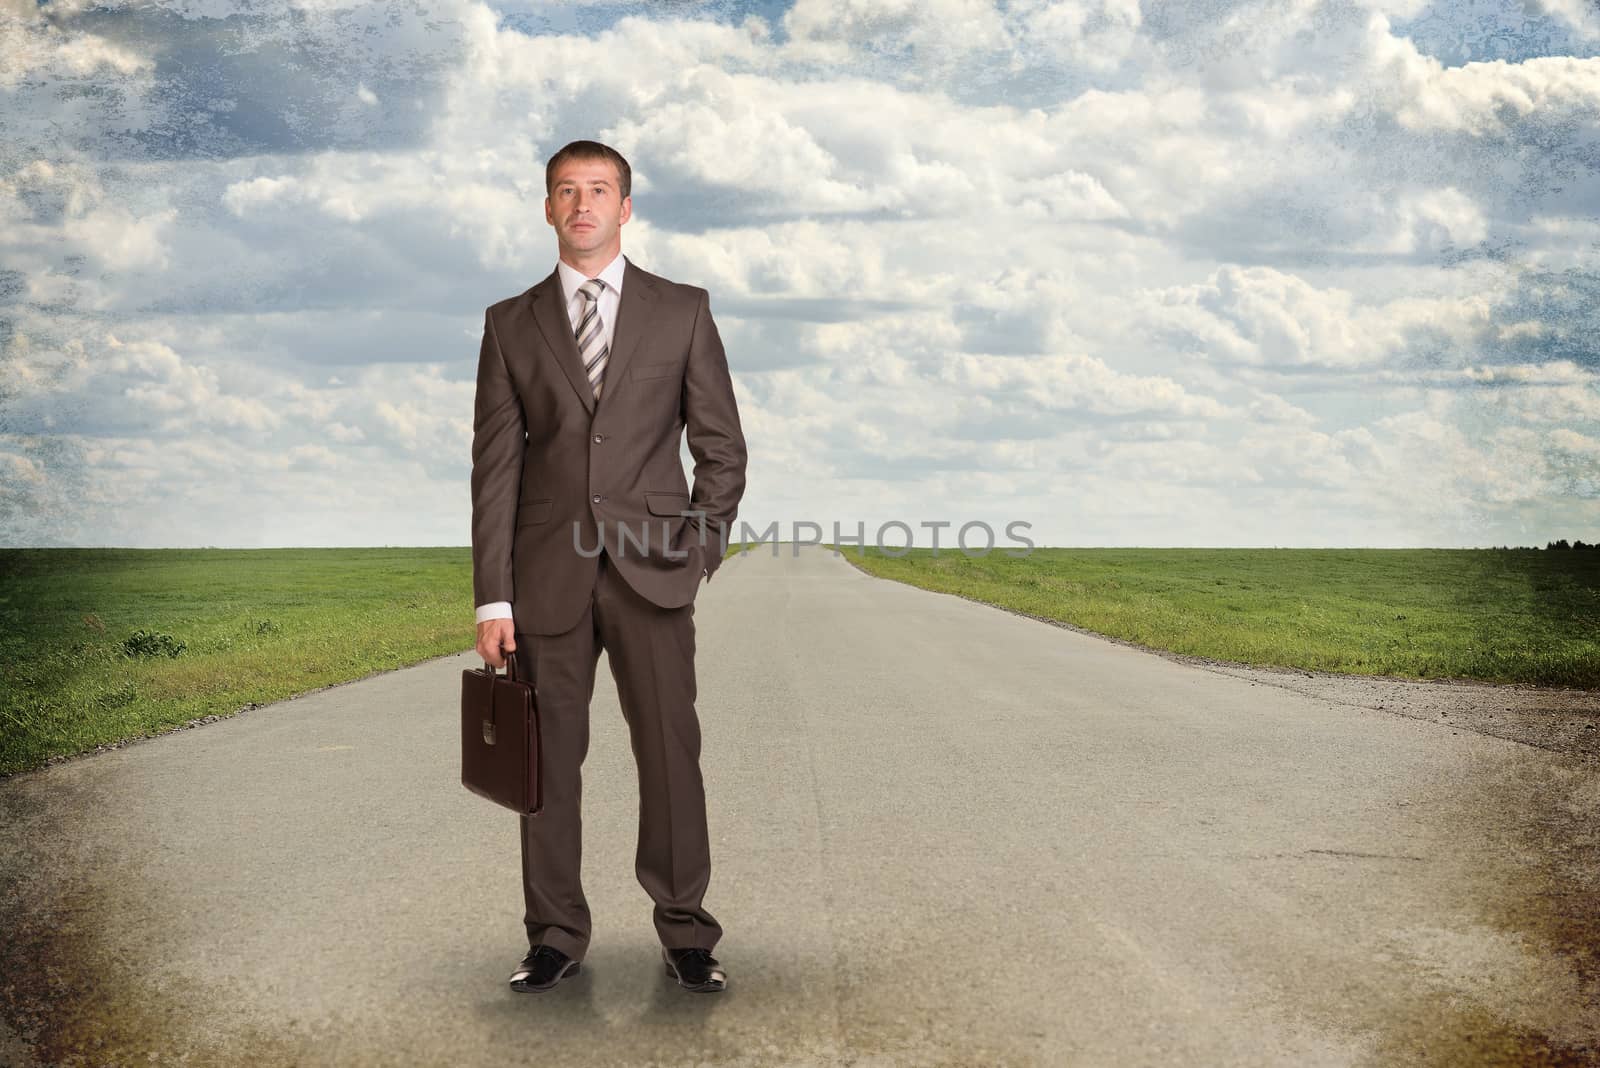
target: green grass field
1497 615
85 634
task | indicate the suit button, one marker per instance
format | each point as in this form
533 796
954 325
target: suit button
596 498
597 439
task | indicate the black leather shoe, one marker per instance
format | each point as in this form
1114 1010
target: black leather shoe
695 969
542 968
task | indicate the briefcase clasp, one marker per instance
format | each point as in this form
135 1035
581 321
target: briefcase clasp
488 732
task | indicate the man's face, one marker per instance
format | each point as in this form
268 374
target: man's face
584 207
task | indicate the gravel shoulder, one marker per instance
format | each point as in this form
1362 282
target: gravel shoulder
1558 719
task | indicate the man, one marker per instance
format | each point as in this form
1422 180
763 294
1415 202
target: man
586 383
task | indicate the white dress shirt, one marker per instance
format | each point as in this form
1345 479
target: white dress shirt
610 300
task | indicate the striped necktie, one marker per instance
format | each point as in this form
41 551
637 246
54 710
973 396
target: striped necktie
591 343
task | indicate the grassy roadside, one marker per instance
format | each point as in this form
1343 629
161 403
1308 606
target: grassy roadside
257 626
1497 615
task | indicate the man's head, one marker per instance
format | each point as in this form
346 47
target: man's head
588 189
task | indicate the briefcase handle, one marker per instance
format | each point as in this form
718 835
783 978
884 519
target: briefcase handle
511 667
511 673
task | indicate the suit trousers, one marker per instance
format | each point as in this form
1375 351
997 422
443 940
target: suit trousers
651 653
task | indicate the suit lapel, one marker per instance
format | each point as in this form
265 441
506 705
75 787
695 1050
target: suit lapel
550 312
633 312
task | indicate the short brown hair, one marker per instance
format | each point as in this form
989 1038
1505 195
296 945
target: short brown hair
589 150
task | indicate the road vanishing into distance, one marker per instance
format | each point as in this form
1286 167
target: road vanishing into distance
942 834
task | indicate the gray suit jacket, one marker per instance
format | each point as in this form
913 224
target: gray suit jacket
550 464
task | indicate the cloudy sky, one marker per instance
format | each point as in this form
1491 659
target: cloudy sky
1137 272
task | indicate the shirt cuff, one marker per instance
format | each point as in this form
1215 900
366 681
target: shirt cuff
494 610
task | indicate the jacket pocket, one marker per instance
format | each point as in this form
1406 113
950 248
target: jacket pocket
654 370
534 511
666 503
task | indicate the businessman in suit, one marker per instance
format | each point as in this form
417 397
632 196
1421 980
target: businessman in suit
585 536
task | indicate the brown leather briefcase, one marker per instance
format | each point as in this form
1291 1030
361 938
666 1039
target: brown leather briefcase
500 751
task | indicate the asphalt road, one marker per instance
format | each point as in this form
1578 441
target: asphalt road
941 834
